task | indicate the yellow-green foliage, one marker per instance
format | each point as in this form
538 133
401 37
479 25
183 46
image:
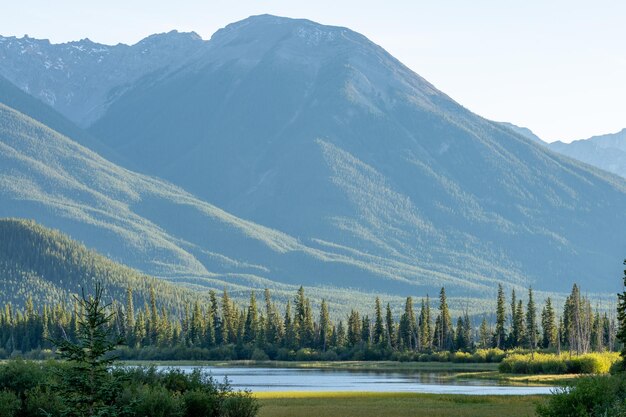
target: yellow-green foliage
543 363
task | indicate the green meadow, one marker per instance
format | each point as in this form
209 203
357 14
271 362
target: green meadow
341 404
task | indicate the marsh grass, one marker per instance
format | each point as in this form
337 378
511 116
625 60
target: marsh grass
362 404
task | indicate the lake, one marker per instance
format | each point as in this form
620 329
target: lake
321 380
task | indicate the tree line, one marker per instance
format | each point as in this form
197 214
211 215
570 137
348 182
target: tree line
220 329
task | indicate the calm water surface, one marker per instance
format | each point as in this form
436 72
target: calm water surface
288 379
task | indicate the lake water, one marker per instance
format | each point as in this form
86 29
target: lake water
289 379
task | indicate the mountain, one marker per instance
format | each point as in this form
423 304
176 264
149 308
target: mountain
80 78
158 228
316 131
47 266
607 152
524 131
293 153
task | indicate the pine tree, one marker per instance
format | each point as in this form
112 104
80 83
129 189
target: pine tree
514 332
532 332
390 328
548 324
354 328
87 387
446 336
499 336
407 325
252 321
379 327
483 334
324 326
621 317
424 324
290 341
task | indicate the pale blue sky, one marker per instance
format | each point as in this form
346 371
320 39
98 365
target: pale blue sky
557 67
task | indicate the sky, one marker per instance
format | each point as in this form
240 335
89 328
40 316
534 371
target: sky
556 67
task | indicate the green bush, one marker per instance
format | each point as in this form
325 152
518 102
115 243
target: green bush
200 404
157 401
9 404
28 389
42 401
241 404
597 396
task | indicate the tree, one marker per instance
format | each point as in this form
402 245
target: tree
621 316
532 332
548 324
324 326
390 328
425 326
379 327
252 322
499 334
483 334
446 334
87 386
407 325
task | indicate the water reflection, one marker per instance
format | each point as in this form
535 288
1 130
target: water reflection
288 379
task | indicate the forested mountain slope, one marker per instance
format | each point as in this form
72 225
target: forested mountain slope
47 266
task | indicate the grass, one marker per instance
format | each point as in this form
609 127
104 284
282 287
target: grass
520 379
339 404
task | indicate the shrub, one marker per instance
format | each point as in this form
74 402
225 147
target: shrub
42 401
157 401
241 404
201 404
597 396
542 363
9 404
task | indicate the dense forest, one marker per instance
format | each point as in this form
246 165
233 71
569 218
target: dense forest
264 330
46 266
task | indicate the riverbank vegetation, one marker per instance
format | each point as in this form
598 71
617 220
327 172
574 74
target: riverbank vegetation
595 396
220 330
549 363
84 382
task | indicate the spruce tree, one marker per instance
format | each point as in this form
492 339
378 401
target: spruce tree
499 336
532 331
621 316
324 326
379 327
390 328
446 332
87 387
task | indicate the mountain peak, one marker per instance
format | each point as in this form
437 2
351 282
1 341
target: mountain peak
268 27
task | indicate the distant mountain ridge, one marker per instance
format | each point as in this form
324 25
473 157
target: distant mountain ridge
297 153
607 152
80 78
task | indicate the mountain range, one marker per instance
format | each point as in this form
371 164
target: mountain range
284 152
607 152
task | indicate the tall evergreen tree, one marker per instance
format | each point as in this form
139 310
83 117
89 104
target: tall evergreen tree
251 327
324 326
532 331
499 336
549 326
390 328
621 316
379 326
446 336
